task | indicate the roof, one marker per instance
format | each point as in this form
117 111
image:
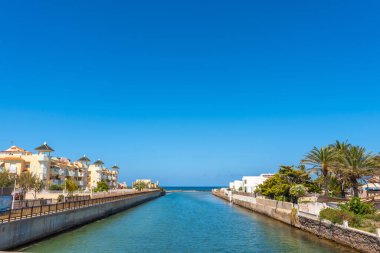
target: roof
15 149
99 162
115 167
84 158
12 158
44 148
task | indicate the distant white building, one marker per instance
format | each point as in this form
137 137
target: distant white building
236 185
250 183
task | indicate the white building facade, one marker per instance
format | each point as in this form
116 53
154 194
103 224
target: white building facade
250 183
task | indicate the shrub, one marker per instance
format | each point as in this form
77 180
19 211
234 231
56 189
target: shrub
338 216
358 207
375 217
297 191
71 186
55 187
101 187
60 198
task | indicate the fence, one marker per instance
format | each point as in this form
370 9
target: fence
77 198
29 212
31 203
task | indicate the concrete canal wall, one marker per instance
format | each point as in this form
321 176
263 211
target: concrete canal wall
284 211
16 233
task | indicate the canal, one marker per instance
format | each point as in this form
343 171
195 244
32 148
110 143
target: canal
186 222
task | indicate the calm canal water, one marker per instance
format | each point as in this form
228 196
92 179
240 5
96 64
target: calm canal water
186 222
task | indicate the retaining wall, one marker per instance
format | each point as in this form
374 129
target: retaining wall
16 233
350 237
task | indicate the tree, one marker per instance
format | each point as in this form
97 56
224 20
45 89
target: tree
297 191
37 186
278 187
357 162
102 187
339 180
321 161
139 185
26 182
70 186
6 179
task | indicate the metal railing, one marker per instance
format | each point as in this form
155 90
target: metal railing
29 212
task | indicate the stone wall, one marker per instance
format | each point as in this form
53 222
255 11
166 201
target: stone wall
350 237
354 238
16 233
278 210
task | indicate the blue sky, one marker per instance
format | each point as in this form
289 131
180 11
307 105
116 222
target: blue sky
189 92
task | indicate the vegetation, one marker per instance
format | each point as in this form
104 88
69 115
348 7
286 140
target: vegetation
358 214
55 187
297 191
60 198
102 187
288 177
356 163
26 182
321 161
6 179
139 185
70 186
357 207
340 166
37 185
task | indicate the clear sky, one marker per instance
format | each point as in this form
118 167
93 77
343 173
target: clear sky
189 92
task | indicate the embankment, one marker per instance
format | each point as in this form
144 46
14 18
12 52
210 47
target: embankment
285 212
19 232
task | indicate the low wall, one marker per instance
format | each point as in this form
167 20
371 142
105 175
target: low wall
16 233
354 238
278 210
282 211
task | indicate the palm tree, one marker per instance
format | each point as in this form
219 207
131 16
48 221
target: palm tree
338 171
321 161
357 163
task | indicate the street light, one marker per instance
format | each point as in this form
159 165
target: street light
14 194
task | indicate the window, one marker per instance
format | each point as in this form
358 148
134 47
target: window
13 168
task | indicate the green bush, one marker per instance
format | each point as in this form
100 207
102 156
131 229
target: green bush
338 216
358 207
102 187
55 187
375 217
60 198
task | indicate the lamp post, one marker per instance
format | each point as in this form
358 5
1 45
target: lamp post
64 191
14 194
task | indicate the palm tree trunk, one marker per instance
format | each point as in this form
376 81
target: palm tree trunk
325 183
355 186
342 191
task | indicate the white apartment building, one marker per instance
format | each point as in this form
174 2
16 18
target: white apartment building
250 183
236 185
98 172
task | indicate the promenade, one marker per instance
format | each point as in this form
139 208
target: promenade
25 225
